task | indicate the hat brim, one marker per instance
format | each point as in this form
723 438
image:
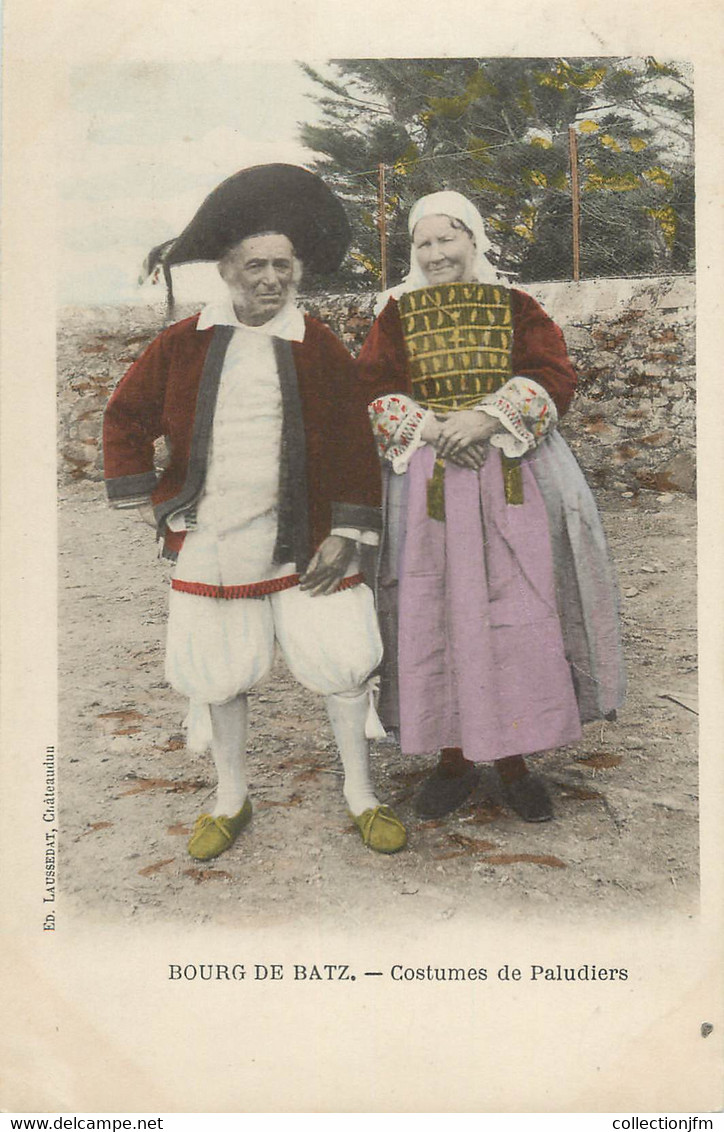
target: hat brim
268 198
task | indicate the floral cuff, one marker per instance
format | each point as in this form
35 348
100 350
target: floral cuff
525 410
397 423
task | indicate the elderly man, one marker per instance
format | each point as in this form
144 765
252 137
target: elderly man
272 483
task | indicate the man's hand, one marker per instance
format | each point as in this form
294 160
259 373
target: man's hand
465 432
145 513
328 566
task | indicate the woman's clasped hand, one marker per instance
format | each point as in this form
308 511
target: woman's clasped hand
461 436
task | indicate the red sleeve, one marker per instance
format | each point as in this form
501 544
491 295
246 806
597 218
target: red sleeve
358 479
347 456
382 362
132 422
539 350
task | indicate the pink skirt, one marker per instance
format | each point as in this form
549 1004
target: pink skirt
481 656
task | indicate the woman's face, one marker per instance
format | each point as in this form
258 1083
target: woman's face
446 254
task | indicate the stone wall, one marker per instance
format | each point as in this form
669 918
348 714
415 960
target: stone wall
631 425
632 422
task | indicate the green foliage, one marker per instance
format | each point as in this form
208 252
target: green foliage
497 130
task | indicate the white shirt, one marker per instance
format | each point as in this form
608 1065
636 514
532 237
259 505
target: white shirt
237 515
287 323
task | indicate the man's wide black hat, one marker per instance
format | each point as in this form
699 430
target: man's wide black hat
267 198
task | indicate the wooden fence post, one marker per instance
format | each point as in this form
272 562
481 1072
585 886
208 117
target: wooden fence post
575 195
382 225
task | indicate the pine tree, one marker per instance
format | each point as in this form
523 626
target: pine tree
497 130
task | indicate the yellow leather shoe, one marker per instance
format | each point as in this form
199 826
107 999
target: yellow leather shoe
212 836
381 829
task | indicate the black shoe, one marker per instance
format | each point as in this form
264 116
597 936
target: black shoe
442 793
528 797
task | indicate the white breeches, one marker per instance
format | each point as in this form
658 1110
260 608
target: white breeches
219 649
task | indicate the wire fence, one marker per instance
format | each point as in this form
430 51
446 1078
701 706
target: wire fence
574 224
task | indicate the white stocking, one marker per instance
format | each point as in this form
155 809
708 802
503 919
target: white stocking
228 746
347 714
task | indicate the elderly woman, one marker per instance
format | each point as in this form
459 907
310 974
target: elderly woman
496 598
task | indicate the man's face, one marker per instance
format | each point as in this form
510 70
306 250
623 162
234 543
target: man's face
259 272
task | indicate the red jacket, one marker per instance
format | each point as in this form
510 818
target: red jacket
332 469
538 352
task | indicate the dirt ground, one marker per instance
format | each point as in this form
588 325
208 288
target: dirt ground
625 834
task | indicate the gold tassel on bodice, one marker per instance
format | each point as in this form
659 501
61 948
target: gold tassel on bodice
436 492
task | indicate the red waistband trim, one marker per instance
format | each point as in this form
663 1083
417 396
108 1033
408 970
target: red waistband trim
254 589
